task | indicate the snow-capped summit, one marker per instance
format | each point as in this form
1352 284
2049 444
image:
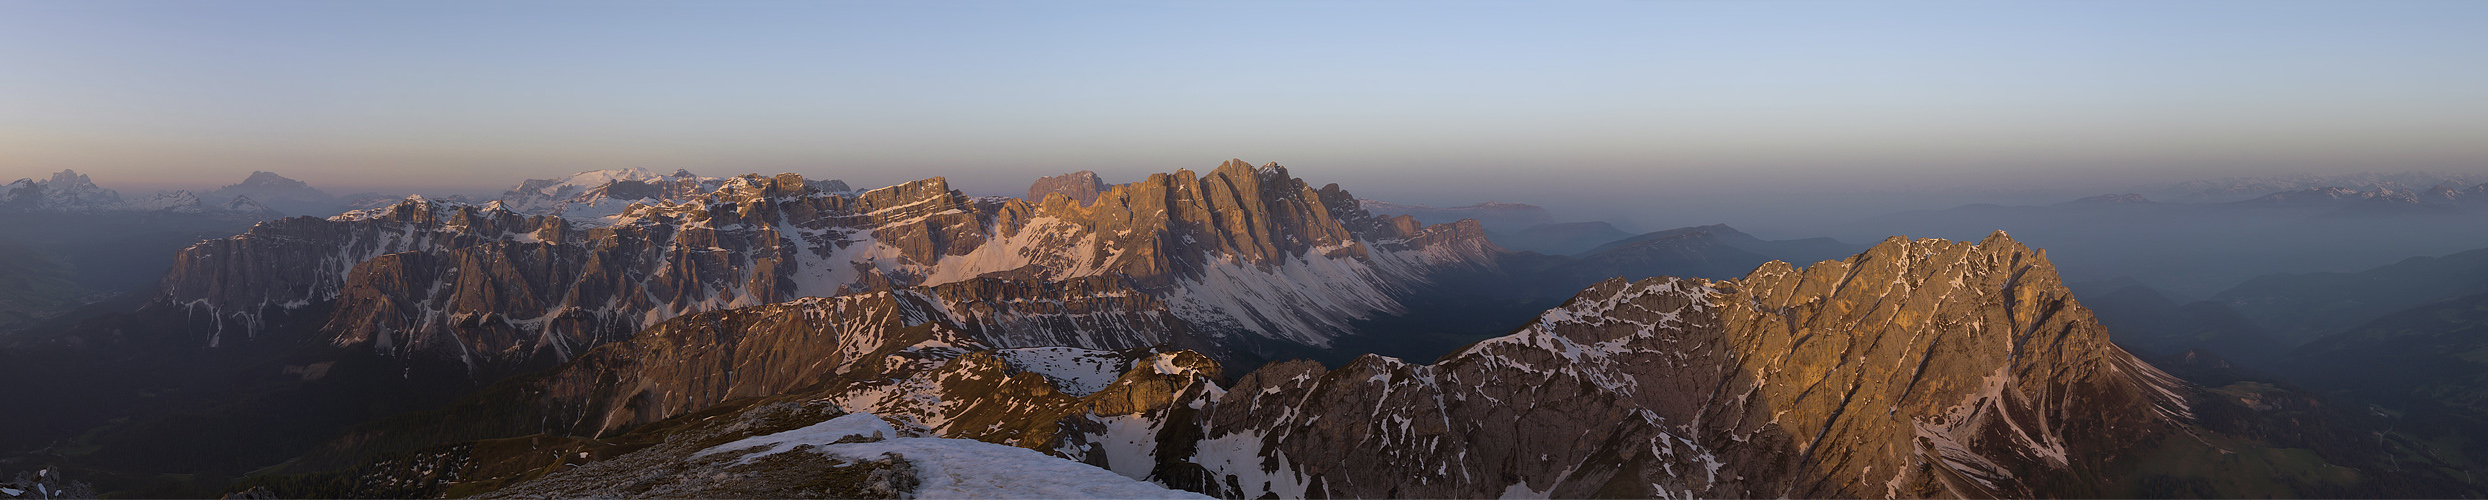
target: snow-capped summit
67 191
246 205
590 197
71 192
175 201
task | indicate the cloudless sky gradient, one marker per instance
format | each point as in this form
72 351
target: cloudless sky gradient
1427 102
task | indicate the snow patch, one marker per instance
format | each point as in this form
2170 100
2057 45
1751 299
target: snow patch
821 434
961 468
1074 371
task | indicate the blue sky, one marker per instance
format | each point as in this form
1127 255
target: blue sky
1424 102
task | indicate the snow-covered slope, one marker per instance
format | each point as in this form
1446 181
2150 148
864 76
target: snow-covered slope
1075 371
593 197
955 468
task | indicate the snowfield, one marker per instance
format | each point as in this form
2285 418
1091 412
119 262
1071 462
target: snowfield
958 468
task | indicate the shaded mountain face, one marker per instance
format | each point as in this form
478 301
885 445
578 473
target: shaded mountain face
1690 252
2299 308
1714 251
1460 307
32 286
279 194
2146 321
2427 355
1799 251
1247 254
1496 216
1920 368
69 242
1563 238
2421 371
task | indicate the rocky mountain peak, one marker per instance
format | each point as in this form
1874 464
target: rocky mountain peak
277 193
173 201
246 205
916 197
1082 186
66 191
269 180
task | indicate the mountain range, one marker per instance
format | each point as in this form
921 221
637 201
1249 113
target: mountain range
71 192
1955 369
2198 249
2242 188
1234 333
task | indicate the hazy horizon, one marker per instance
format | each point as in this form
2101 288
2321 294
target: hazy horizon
1424 103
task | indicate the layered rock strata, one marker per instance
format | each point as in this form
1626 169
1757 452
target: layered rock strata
1242 253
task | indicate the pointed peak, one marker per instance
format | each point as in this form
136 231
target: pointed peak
1998 237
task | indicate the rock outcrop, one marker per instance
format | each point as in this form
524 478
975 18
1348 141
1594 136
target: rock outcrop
1082 186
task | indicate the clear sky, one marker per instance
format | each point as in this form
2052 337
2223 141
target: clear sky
1426 102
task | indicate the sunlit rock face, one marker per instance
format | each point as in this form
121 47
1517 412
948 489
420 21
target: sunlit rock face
1919 368
1082 186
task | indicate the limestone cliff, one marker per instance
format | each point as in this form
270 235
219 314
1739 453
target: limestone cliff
1082 186
1242 253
